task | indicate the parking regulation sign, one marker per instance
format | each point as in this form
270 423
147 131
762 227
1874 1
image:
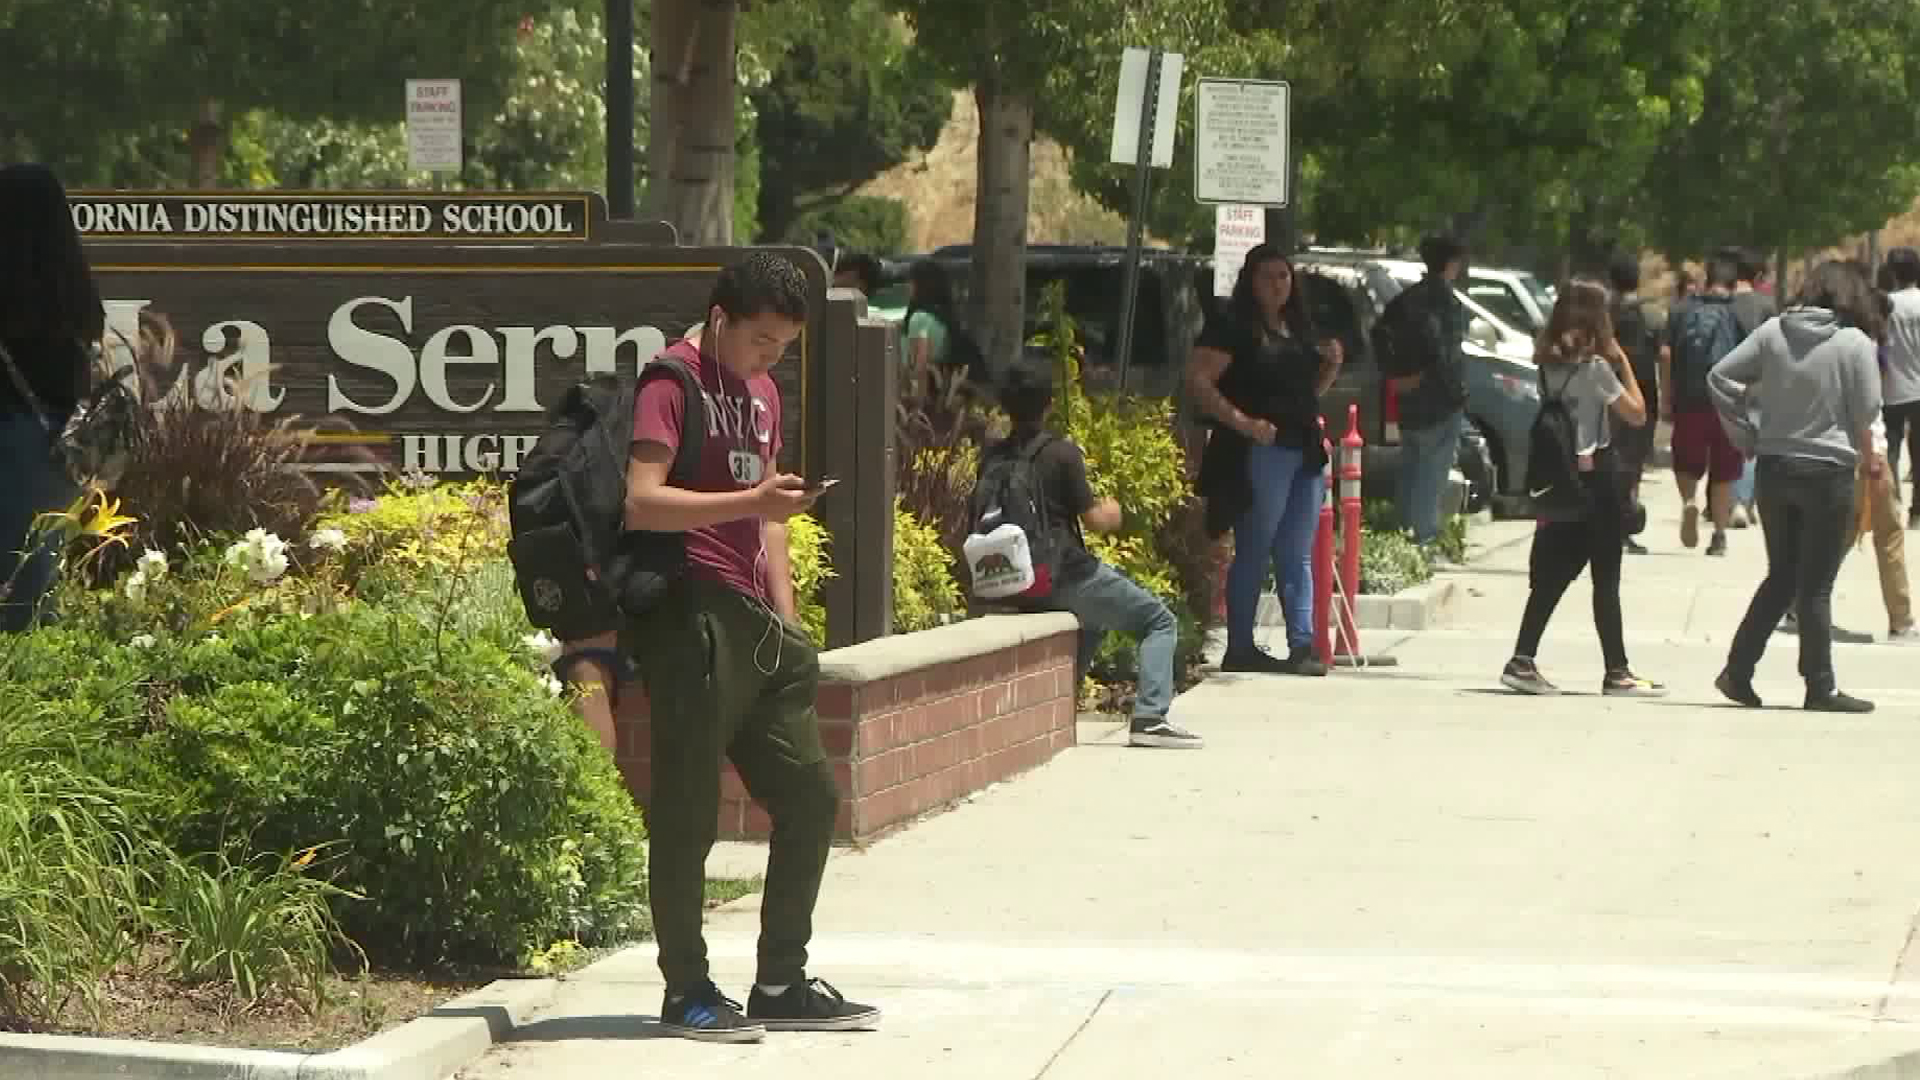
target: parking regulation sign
433 125
1241 156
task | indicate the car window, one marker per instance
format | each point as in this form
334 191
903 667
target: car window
1541 294
1498 299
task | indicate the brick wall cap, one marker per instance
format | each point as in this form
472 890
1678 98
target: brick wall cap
886 657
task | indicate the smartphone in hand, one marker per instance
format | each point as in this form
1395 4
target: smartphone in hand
820 487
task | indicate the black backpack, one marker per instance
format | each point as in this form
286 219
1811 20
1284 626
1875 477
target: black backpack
1009 492
567 503
1554 482
1708 331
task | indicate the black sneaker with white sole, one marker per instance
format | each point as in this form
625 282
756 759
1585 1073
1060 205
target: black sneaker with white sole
704 1014
1523 676
811 1005
1162 733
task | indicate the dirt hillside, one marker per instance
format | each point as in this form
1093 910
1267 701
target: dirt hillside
938 190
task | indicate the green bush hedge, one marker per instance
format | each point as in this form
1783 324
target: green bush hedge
472 808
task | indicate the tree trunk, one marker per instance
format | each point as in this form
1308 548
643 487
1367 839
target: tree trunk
997 298
694 108
206 144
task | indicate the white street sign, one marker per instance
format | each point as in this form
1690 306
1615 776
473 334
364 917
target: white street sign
1133 93
433 125
1236 231
1240 142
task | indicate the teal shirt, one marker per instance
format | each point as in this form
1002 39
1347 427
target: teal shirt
925 324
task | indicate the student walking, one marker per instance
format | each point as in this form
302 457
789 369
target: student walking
1258 371
1752 307
1635 329
1700 332
1584 370
1903 373
1811 376
728 671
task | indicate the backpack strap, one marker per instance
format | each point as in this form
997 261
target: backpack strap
693 418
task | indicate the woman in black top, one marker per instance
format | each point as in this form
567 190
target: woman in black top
50 320
1257 372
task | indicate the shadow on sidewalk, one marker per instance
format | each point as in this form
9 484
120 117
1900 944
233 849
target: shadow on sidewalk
578 1028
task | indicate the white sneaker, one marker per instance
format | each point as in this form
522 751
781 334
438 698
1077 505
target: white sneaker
1909 636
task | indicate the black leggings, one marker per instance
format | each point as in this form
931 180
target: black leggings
1904 420
1561 549
1806 508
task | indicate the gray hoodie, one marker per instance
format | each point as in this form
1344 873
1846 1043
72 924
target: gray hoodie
1804 385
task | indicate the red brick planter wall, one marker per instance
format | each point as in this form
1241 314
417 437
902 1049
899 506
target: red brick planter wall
914 722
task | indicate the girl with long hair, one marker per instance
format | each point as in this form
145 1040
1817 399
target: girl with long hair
1584 368
1258 371
51 320
929 325
1801 394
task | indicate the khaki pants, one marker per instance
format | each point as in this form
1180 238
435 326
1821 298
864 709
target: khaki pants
1889 546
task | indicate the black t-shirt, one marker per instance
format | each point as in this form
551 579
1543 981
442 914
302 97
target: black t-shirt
1272 380
1061 471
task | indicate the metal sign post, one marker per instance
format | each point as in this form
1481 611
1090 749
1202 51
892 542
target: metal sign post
1147 109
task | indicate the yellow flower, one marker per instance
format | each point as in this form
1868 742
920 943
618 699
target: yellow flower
105 520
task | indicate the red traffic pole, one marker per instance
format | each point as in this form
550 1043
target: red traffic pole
1323 569
1352 447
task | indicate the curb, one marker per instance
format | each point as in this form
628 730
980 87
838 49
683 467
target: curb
431 1047
1901 1067
1422 607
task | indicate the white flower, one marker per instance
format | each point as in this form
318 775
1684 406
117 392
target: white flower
142 641
137 586
328 540
262 555
554 686
544 645
153 564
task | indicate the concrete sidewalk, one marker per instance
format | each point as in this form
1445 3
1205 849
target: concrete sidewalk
1401 873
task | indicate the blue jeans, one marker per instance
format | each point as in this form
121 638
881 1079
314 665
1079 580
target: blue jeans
35 484
1426 459
1109 600
1743 487
1275 533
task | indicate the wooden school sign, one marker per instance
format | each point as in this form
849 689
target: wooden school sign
439 328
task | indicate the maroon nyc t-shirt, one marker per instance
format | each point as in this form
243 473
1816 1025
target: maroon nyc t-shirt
743 442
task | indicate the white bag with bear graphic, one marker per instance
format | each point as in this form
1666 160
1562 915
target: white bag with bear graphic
1001 562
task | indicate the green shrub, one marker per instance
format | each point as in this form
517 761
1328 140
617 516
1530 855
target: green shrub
72 884
1391 562
871 223
925 594
416 527
808 544
251 927
477 815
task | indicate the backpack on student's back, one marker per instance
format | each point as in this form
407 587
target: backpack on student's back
1013 551
1554 482
1708 331
576 565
